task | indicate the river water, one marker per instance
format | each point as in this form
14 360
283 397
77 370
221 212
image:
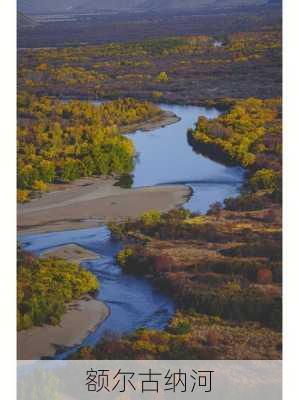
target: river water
164 156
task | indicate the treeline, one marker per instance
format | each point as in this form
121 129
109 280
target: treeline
46 286
61 141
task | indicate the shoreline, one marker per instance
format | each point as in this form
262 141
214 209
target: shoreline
87 202
70 252
90 202
160 121
83 317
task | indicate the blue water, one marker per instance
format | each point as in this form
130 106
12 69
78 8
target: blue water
133 302
164 156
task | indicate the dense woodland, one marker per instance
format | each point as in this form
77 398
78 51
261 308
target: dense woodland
61 141
191 69
46 286
250 135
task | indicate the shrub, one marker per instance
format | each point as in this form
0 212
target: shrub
162 77
39 186
22 196
264 179
264 276
212 338
117 230
156 94
215 209
124 255
162 263
181 328
151 218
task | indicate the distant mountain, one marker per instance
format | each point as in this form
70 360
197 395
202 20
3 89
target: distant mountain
111 5
52 6
198 4
47 6
164 5
24 21
275 2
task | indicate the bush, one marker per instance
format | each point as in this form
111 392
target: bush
162 77
212 338
22 196
124 256
151 218
264 179
264 276
215 209
40 186
181 328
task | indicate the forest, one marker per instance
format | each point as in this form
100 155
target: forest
46 286
194 69
61 141
250 135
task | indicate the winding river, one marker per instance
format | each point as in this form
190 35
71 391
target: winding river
164 156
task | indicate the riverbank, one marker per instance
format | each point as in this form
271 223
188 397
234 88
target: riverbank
71 252
89 202
82 317
159 121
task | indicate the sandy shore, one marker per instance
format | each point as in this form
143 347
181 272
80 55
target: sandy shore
89 202
160 121
86 203
71 252
81 318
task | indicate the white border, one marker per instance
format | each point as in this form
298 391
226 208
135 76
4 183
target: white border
291 217
291 195
8 217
